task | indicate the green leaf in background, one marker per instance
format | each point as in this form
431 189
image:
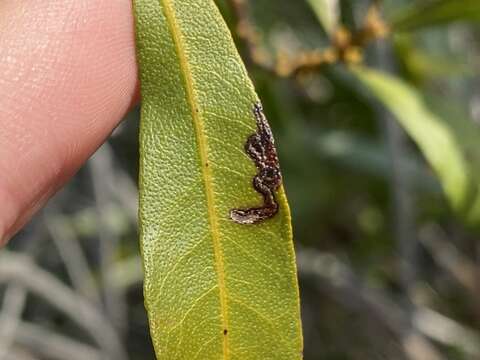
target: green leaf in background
214 289
433 136
436 12
467 133
327 12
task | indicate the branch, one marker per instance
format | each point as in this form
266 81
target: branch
72 255
346 47
12 309
53 346
446 331
102 174
20 269
335 279
19 354
448 257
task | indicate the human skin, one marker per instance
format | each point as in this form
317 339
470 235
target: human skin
68 75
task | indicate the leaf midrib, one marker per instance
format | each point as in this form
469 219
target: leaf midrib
198 123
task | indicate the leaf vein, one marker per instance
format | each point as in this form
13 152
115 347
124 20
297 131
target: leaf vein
203 153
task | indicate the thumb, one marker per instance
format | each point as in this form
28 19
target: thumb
67 76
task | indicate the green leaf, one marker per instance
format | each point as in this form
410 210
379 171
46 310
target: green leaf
357 153
437 12
433 136
467 134
327 12
214 289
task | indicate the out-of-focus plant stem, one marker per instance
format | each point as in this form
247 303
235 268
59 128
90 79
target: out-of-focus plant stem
21 270
102 174
346 46
10 317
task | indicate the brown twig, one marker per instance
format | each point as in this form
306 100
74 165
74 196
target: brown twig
346 46
250 37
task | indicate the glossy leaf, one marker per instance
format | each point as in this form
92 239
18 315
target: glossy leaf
434 137
214 289
437 12
327 12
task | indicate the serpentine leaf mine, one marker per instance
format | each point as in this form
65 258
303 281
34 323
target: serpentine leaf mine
260 148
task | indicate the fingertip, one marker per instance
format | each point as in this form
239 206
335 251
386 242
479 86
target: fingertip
68 76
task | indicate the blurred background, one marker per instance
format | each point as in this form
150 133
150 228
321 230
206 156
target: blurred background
388 256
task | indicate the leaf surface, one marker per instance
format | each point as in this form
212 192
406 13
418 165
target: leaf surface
214 289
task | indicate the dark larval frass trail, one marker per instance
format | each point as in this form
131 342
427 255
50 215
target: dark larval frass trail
261 149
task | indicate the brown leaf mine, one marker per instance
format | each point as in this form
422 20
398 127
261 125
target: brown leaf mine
260 148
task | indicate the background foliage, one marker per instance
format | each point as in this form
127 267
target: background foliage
381 169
